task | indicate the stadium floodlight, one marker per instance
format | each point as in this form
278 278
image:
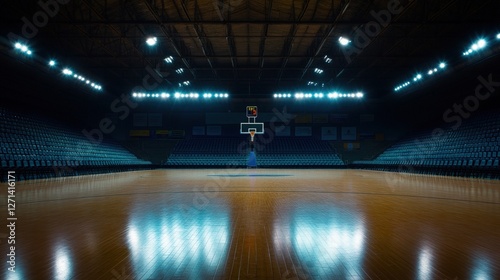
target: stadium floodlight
177 95
28 52
481 43
498 36
344 41
359 95
151 41
275 95
66 71
18 46
430 72
134 94
442 65
179 71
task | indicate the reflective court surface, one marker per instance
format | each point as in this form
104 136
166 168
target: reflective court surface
255 224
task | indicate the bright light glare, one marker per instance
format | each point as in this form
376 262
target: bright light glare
151 41
52 63
344 41
66 71
442 65
481 43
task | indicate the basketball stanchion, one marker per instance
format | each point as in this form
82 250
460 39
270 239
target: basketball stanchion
251 127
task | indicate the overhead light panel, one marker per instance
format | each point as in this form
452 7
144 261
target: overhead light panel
318 71
151 41
169 59
344 41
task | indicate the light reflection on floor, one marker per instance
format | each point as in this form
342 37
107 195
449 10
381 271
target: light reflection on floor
160 243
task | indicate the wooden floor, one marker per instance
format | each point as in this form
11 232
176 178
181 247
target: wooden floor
255 224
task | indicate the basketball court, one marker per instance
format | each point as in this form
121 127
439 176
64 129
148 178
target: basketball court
257 224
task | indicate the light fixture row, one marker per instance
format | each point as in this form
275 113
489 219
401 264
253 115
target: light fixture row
22 48
68 72
179 95
318 95
419 76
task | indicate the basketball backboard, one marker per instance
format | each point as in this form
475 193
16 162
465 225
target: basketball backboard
245 128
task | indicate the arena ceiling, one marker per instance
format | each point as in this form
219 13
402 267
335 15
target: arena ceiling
248 47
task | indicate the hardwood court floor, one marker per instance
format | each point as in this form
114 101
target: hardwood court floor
256 224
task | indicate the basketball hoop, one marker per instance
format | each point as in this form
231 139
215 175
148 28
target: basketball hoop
252 134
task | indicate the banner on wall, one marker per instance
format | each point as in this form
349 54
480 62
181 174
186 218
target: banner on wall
349 133
303 131
140 120
155 119
329 133
282 131
198 130
214 130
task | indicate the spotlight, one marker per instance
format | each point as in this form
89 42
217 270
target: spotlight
18 46
498 36
359 95
442 65
177 95
151 41
481 43
344 41
275 95
134 94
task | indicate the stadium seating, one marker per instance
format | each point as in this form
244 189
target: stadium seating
234 151
44 148
471 149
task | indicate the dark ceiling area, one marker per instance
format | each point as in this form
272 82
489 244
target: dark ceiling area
248 48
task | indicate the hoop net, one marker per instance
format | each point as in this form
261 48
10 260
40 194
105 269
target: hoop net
252 134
